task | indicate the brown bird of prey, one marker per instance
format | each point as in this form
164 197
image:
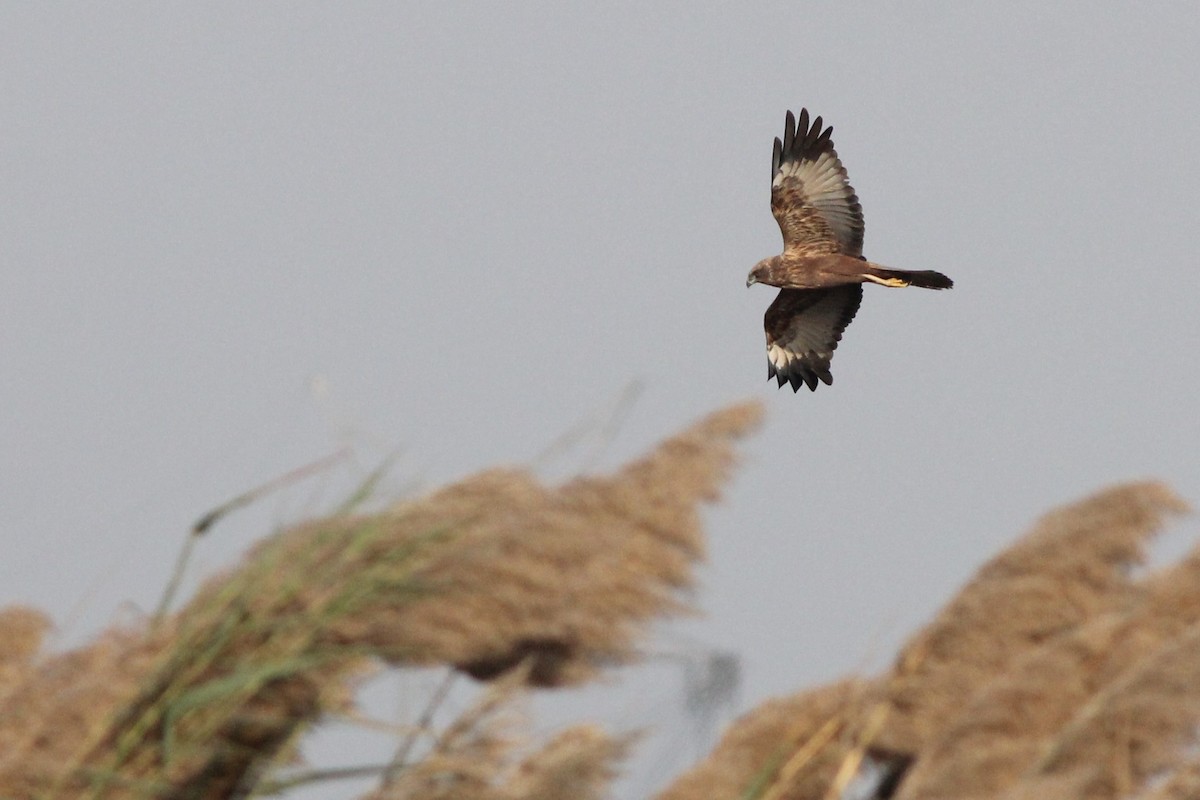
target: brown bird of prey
821 270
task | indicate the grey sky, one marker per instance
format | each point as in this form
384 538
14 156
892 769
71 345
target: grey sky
475 224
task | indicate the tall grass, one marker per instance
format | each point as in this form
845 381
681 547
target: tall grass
1057 671
1052 674
499 576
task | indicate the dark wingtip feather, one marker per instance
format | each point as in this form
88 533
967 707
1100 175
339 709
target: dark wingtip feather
802 137
798 374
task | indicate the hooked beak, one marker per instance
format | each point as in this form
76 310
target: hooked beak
751 281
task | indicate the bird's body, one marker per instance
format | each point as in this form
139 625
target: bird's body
821 270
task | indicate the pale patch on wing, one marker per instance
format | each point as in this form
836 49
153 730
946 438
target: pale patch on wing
826 188
803 329
809 180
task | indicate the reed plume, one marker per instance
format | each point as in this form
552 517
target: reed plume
1052 673
495 575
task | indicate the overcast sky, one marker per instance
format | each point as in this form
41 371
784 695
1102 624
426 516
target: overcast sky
236 237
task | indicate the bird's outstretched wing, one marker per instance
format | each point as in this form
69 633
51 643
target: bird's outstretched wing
811 198
804 327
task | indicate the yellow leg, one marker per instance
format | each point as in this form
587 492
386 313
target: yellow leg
893 282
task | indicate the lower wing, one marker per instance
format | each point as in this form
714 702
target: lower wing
803 328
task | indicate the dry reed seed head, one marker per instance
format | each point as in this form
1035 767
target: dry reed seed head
463 762
567 576
479 757
64 709
1006 725
694 464
999 730
1173 593
996 734
22 630
1074 785
1072 566
806 735
579 763
494 567
1136 727
1182 782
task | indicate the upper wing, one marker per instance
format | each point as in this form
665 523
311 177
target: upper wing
811 198
804 327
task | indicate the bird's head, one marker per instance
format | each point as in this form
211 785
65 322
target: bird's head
763 272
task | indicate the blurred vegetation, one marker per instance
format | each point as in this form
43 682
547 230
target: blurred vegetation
1057 671
1054 673
519 585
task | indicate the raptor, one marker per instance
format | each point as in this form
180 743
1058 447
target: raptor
821 271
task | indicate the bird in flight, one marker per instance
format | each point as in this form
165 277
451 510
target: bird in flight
821 270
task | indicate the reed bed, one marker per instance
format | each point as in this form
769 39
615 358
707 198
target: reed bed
497 576
1052 673
1059 670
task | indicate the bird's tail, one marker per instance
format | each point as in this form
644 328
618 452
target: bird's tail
921 278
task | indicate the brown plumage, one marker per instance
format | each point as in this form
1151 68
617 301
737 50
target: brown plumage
821 270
